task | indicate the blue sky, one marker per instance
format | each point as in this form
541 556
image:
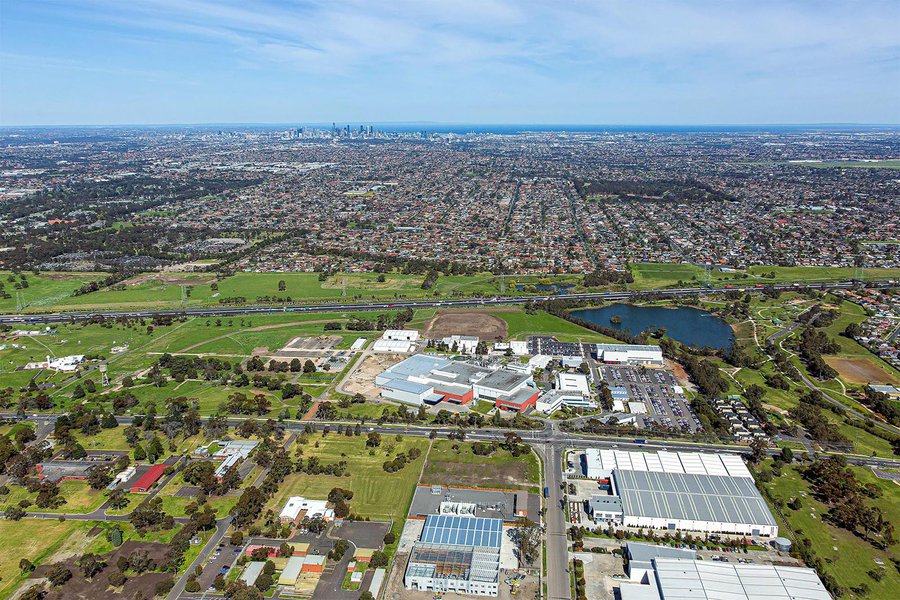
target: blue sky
464 61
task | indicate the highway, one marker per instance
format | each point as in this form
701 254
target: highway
254 309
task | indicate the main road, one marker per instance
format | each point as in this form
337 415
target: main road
255 309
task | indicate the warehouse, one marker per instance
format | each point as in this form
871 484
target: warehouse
707 580
641 557
456 554
403 335
623 354
683 491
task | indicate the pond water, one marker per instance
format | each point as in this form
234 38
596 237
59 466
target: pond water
685 324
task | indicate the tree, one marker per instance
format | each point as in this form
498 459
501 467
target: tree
78 392
164 586
758 450
367 595
527 538
91 564
139 453
379 559
26 566
58 574
338 550
117 578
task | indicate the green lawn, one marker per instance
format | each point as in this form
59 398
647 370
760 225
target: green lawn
656 275
799 274
522 325
848 557
43 290
376 493
80 498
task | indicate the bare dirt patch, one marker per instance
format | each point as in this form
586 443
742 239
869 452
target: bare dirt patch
171 279
860 370
483 325
508 475
361 379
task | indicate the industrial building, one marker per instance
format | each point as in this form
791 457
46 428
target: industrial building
456 554
422 379
253 571
507 506
464 344
639 566
687 579
627 354
679 491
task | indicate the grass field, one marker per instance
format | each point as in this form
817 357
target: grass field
848 557
447 465
521 325
656 275
80 498
43 290
376 493
819 274
43 538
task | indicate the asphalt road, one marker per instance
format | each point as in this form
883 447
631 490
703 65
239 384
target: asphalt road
63 317
555 526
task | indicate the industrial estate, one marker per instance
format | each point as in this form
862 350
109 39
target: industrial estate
352 363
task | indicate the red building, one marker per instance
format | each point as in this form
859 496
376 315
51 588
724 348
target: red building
520 401
146 481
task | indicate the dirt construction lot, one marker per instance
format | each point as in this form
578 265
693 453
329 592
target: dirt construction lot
860 370
483 325
362 379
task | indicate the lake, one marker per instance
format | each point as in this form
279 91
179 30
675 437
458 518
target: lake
685 324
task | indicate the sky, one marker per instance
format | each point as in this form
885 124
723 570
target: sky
611 62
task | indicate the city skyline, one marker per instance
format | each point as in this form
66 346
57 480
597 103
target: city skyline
161 62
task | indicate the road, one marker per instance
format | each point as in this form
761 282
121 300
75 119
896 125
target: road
557 551
65 317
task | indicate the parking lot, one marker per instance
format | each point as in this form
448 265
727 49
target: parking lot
658 391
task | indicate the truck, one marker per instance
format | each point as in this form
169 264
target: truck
546 492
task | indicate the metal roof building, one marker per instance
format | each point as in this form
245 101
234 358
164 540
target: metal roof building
252 572
456 553
677 579
683 491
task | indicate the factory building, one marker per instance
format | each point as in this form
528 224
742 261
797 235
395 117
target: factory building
673 578
422 379
627 354
681 491
573 382
456 554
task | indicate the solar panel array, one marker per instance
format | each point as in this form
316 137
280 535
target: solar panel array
462 531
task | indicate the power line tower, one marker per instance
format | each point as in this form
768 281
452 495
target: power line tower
707 274
343 286
183 296
20 300
104 375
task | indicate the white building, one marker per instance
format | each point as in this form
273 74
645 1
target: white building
554 400
519 348
404 335
464 344
629 354
297 508
358 344
399 346
65 363
573 382
683 491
